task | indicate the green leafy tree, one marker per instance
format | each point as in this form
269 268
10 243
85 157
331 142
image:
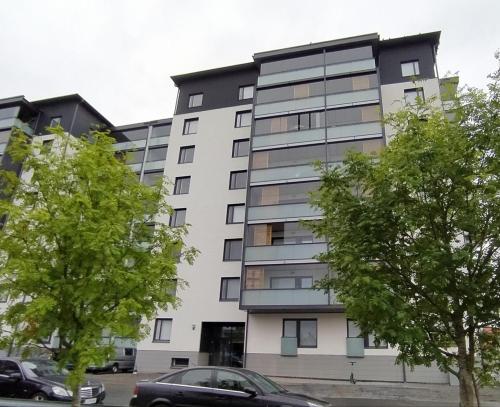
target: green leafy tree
414 237
77 252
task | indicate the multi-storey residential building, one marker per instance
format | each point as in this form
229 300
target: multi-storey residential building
238 154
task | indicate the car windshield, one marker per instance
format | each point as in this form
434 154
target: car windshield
41 368
267 385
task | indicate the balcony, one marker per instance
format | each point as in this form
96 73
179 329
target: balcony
303 298
342 68
353 98
298 172
284 213
282 254
129 145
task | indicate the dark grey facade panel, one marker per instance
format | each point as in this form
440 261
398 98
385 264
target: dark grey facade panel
391 57
219 91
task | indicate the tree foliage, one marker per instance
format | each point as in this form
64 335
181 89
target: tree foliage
414 236
77 253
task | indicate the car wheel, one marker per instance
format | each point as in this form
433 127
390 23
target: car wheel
39 397
115 368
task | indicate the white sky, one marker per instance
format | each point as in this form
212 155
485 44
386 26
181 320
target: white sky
119 54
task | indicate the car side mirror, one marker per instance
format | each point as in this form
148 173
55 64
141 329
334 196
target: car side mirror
15 377
250 391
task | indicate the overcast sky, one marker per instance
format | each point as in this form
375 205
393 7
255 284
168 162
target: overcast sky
119 54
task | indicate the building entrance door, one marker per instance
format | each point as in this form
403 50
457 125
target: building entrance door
223 341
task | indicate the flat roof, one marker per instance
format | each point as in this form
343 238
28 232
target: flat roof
432 36
179 79
18 100
314 46
142 124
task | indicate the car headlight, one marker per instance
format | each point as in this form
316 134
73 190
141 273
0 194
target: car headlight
61 391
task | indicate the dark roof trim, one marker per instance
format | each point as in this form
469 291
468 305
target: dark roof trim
432 37
158 122
259 56
18 100
180 79
77 98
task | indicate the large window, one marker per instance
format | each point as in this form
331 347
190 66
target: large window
282 193
280 233
157 154
161 131
238 180
233 249
152 178
190 126
243 119
195 100
353 115
280 283
178 218
134 157
305 330
411 95
235 213
410 68
240 148
245 92
353 331
229 289
163 330
181 186
294 122
186 154
135 134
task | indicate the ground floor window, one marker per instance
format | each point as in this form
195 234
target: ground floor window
163 329
305 330
353 331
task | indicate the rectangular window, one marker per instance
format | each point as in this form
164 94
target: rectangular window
305 330
243 119
229 289
235 213
179 362
181 186
133 135
411 95
238 180
233 249
152 178
196 100
278 283
161 131
157 154
353 331
163 330
410 68
190 126
240 148
245 92
186 155
55 121
134 157
178 218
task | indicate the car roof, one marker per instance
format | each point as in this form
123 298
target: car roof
226 368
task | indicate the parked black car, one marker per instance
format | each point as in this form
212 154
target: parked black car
41 379
217 386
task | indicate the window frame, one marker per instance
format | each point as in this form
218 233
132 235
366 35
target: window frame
173 217
187 125
193 98
160 172
235 174
419 92
57 119
154 148
155 340
178 185
231 221
236 144
366 338
414 63
224 289
297 327
225 251
181 150
241 92
238 116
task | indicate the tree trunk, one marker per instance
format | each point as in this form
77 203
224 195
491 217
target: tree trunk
465 379
75 402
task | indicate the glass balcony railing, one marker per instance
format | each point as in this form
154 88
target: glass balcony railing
284 173
283 253
291 298
282 212
352 98
129 145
